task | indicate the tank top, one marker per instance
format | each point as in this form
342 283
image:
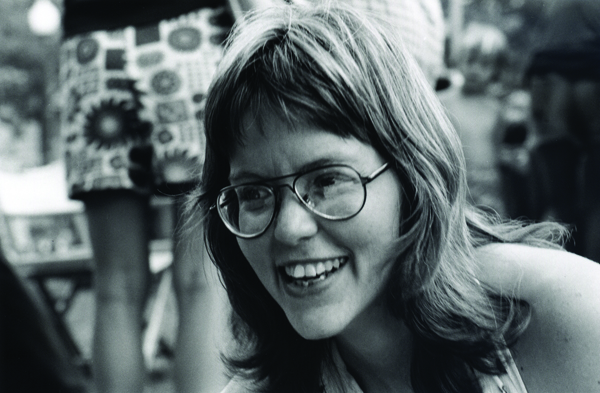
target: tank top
510 382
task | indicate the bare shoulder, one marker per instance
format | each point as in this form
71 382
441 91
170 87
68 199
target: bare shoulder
532 272
239 385
559 351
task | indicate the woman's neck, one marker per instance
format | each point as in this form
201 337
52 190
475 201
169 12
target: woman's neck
377 351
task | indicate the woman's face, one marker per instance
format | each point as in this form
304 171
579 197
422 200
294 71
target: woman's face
302 244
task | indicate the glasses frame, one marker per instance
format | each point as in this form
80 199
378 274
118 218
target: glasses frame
274 189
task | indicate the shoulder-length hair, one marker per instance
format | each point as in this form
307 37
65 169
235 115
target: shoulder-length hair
332 68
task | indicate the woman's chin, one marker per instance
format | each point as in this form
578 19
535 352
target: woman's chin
315 330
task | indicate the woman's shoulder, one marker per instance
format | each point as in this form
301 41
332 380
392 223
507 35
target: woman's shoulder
559 350
240 385
530 272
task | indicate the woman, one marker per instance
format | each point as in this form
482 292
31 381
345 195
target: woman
334 202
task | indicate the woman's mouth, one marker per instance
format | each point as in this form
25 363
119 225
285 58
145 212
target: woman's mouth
306 274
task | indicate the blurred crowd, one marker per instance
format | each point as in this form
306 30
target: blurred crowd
537 141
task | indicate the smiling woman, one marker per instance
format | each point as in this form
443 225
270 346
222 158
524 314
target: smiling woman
334 203
302 238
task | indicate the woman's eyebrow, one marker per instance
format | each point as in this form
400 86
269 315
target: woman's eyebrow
243 177
246 176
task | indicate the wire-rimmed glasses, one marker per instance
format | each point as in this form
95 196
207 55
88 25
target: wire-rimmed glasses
334 192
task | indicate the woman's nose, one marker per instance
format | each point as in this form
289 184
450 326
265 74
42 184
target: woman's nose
293 222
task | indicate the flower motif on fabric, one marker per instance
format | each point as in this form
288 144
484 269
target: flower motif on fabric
150 59
171 112
177 167
166 82
185 39
87 49
198 97
113 123
117 162
164 136
72 104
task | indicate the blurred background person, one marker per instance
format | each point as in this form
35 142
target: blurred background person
133 78
20 140
564 80
473 101
513 138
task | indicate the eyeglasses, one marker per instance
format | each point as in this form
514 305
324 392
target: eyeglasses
334 192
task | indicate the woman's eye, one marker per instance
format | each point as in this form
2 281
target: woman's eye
330 185
331 180
326 180
253 197
249 193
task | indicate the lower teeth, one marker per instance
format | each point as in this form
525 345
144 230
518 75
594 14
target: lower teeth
310 281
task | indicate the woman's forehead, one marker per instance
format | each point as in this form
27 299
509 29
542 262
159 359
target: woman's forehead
274 132
256 126
278 149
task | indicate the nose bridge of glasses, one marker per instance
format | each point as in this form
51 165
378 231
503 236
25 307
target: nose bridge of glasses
279 188
293 219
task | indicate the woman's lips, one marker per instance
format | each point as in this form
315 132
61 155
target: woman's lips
309 273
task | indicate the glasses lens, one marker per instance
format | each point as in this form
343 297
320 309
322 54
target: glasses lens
335 192
246 210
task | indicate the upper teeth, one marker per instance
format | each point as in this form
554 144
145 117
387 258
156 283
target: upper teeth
308 270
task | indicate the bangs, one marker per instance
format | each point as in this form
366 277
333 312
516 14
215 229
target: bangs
302 73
